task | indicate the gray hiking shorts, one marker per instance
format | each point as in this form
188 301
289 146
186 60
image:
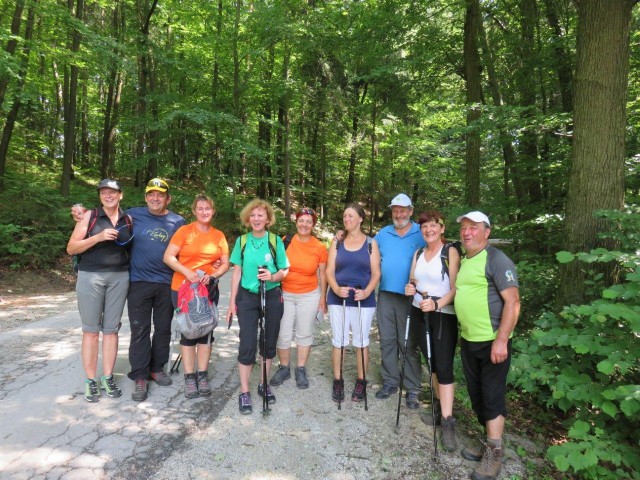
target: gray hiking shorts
101 298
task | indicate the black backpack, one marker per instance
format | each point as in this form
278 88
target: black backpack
444 255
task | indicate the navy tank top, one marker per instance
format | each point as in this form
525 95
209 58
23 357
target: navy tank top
353 269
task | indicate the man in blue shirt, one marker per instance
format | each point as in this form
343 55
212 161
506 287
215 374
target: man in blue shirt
150 288
397 243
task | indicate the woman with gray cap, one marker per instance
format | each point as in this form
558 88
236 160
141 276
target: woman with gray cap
101 241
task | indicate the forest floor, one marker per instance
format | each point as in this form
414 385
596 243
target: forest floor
329 445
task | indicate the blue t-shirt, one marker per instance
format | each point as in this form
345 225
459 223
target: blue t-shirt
396 255
152 235
353 269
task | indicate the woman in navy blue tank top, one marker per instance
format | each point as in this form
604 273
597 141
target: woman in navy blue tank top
353 273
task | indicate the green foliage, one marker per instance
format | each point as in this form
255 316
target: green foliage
34 223
584 361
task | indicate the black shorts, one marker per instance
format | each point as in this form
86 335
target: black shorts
248 311
444 337
486 381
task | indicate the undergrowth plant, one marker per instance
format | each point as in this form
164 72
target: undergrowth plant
584 361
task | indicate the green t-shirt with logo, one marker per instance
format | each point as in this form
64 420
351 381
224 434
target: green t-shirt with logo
478 285
258 253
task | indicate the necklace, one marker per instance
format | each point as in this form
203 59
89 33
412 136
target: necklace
257 244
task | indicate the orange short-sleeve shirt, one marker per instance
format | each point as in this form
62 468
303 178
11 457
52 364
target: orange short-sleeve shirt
198 250
304 258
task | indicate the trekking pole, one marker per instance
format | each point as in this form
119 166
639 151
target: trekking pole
341 379
263 333
404 361
364 373
425 296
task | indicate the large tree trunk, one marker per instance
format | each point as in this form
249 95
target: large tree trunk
71 104
597 172
7 131
472 74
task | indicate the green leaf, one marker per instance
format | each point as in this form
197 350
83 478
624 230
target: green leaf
606 366
562 463
610 409
564 257
579 429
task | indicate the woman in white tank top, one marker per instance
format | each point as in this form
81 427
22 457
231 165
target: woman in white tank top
432 285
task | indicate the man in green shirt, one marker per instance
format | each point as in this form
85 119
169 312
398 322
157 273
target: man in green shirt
487 304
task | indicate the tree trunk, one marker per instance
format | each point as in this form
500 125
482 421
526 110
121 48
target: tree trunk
596 179
472 73
527 88
561 60
71 104
7 131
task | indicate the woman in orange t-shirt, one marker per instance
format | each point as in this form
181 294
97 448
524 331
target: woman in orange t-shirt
194 247
304 293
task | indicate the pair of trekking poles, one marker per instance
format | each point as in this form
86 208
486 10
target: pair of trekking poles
425 296
364 373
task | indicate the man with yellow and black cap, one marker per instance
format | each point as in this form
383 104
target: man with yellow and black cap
149 296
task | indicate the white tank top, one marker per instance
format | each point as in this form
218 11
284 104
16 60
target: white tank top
428 277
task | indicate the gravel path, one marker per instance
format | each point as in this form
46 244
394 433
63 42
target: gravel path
50 432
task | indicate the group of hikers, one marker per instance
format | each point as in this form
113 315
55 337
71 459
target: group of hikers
428 294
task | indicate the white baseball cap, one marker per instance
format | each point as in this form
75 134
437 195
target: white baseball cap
401 200
475 217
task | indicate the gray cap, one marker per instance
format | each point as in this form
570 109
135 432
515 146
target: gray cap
108 183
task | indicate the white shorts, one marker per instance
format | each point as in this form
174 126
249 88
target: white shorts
351 324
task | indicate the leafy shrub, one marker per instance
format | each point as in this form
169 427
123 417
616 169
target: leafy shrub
584 361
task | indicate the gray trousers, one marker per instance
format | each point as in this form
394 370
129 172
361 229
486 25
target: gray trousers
392 323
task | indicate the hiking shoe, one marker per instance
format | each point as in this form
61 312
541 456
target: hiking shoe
244 403
140 390
301 378
359 391
489 465
412 401
161 378
271 398
449 433
91 391
108 384
337 392
386 391
473 452
190 385
203 384
283 373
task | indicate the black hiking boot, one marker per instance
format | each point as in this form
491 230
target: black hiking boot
359 391
337 392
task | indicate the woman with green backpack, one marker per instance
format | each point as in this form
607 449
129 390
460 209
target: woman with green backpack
259 259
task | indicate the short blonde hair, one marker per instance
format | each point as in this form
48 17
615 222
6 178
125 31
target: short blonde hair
202 198
252 205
